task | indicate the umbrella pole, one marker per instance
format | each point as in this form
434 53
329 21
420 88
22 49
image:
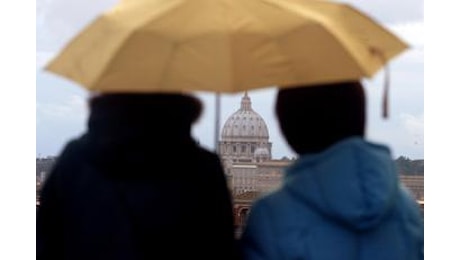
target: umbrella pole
217 126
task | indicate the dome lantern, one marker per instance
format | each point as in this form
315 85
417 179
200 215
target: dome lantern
246 102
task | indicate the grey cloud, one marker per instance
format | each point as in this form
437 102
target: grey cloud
414 125
390 11
59 20
403 133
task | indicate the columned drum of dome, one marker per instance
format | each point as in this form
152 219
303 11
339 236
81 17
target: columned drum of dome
244 133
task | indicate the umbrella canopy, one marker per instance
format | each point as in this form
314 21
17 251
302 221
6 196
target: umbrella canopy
224 46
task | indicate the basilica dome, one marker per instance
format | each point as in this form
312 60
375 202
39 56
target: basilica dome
245 123
243 133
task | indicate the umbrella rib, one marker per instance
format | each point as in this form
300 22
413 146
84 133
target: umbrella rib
348 50
274 39
112 58
382 30
344 44
169 62
331 28
127 37
279 4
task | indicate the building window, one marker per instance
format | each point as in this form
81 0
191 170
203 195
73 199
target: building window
243 148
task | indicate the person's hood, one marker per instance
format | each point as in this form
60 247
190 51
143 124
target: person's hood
354 182
126 133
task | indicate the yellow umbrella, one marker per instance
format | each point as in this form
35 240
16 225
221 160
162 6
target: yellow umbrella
224 46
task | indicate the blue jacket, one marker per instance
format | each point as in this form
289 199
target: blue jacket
343 203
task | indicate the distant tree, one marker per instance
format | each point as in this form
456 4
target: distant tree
44 165
406 166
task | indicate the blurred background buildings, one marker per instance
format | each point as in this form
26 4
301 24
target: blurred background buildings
246 153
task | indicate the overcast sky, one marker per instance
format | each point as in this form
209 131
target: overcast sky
61 105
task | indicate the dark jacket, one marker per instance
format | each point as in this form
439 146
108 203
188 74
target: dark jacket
135 186
343 203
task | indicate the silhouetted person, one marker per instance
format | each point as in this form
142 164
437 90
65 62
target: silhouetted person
136 186
342 198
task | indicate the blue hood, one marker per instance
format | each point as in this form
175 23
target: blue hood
353 182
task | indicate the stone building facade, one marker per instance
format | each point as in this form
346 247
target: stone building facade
246 153
415 183
43 169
